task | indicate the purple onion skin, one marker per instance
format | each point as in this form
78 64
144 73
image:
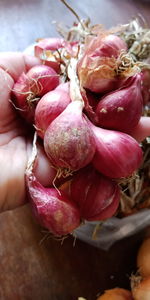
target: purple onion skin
96 196
117 155
121 110
69 142
52 209
48 108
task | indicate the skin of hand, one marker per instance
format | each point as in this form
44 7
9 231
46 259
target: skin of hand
15 144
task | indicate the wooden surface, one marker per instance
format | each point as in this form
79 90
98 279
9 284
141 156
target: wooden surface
32 265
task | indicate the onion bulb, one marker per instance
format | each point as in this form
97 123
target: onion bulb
69 141
96 196
96 69
121 110
117 154
49 107
53 209
29 87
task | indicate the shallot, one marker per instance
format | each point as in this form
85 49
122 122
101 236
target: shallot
44 49
69 141
49 49
121 110
117 154
96 196
96 69
31 86
49 107
53 209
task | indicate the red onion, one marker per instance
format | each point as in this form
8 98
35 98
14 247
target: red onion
117 154
49 107
53 209
121 110
69 141
42 48
49 44
46 79
96 196
96 69
30 86
64 86
47 50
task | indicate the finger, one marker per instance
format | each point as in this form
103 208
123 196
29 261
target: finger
6 111
14 63
142 130
11 66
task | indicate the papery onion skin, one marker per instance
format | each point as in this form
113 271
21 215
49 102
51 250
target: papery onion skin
51 44
29 87
116 294
96 196
96 69
20 94
47 50
142 290
69 141
53 209
117 154
48 108
45 77
121 110
143 258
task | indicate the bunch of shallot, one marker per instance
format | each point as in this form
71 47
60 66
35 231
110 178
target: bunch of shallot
83 100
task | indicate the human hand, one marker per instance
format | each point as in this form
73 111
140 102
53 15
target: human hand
15 142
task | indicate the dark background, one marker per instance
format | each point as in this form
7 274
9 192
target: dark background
32 267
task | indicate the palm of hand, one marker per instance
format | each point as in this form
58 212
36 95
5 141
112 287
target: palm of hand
13 149
15 144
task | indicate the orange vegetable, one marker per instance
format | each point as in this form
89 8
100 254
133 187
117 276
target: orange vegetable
143 258
142 290
116 294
